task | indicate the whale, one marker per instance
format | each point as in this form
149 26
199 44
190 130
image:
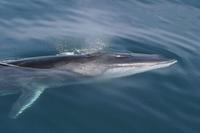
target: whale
30 77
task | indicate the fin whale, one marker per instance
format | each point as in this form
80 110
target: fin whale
31 76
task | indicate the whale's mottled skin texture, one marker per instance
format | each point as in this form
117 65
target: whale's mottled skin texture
31 76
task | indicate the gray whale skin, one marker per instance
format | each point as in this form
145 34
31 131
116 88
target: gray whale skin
30 77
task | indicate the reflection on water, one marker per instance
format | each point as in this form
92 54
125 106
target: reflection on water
165 100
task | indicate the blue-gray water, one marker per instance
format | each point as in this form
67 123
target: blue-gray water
161 101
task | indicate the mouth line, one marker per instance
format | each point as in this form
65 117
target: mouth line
140 64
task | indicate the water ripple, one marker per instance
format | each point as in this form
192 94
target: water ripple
163 100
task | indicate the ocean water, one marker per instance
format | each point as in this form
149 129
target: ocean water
160 101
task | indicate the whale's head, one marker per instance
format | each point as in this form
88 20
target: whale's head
124 64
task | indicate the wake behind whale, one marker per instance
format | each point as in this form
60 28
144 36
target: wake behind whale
31 76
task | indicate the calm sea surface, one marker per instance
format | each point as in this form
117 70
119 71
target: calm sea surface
161 101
